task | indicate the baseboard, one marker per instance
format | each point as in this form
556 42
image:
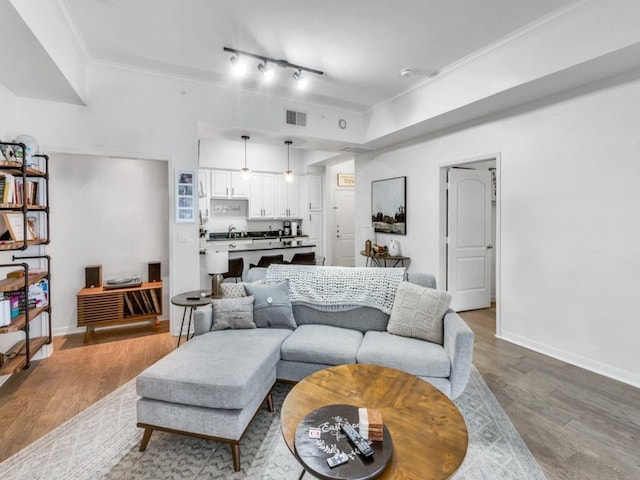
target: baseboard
624 376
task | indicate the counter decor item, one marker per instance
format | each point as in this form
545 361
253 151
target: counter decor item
394 248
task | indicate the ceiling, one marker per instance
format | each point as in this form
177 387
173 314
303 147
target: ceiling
361 45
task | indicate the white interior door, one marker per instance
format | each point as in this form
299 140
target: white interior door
469 237
344 228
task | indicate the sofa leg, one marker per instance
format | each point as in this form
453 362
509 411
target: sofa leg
270 402
145 438
235 453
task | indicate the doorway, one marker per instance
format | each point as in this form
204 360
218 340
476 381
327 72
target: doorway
470 223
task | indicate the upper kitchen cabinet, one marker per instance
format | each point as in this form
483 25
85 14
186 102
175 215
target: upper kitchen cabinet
261 200
287 198
226 184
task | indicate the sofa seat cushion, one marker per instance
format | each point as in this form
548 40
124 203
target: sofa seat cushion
418 357
322 344
222 369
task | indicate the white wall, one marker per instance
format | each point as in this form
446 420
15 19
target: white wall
105 211
568 206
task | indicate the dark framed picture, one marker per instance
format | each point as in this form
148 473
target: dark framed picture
389 205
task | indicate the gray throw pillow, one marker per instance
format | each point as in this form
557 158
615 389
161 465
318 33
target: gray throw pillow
234 313
233 290
272 307
418 312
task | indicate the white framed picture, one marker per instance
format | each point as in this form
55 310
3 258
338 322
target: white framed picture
185 196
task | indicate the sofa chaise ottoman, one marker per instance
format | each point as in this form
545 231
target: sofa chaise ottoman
211 387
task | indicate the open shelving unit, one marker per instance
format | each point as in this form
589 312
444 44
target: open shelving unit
22 322
28 214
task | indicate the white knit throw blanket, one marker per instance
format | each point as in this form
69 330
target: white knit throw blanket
338 288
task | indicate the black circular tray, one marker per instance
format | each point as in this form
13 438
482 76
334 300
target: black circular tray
313 452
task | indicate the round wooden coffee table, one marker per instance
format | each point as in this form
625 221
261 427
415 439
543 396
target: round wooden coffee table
429 434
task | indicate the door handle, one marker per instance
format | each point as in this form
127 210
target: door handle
489 247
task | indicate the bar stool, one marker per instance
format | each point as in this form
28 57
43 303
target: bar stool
267 260
236 266
304 258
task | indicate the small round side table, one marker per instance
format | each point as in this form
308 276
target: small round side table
191 301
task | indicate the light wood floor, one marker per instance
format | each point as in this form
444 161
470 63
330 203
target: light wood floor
577 424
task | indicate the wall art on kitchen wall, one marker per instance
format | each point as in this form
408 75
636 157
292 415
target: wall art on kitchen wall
185 196
389 205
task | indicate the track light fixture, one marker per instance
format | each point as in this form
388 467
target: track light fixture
267 73
238 66
245 173
288 175
263 67
302 81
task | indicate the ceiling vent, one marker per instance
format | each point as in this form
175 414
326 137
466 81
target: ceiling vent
296 118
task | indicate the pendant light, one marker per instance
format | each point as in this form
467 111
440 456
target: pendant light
288 175
245 173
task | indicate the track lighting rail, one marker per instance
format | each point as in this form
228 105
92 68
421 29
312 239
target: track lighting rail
280 63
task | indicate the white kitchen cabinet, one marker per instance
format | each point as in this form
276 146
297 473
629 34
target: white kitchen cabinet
261 196
239 186
287 198
226 184
204 193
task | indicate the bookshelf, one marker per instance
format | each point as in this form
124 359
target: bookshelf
100 307
24 203
22 352
24 222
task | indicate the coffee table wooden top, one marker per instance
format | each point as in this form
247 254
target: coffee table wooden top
429 434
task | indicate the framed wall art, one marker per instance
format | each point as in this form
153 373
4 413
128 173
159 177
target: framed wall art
389 205
346 180
185 196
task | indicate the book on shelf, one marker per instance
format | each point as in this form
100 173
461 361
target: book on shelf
128 304
13 222
9 186
5 312
38 297
156 303
12 190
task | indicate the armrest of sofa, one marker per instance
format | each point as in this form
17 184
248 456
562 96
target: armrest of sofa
203 319
458 343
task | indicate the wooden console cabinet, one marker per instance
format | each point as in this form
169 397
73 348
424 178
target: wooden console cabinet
100 307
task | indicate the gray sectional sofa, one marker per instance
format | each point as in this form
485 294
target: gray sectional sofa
213 385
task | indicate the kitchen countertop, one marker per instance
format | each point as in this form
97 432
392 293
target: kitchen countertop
275 245
225 238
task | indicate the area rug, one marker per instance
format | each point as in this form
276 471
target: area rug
102 443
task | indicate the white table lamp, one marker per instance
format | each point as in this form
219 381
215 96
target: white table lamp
217 264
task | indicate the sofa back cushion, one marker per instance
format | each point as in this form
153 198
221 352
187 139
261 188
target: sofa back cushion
362 319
